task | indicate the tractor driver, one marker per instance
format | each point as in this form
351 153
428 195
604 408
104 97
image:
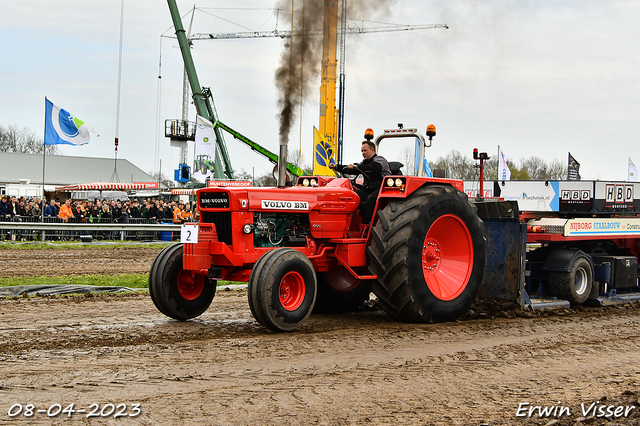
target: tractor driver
376 168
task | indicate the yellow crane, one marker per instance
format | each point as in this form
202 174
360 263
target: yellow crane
328 138
328 129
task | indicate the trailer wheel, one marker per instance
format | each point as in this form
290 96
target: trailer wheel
339 292
282 289
428 253
178 293
575 285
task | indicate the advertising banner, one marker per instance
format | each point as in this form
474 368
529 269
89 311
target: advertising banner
205 150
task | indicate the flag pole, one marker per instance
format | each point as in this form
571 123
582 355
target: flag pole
44 135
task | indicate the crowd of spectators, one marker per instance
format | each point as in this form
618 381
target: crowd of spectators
97 211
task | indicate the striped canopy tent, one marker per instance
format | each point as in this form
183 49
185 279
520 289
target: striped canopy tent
183 191
107 186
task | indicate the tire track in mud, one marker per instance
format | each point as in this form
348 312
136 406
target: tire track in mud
343 369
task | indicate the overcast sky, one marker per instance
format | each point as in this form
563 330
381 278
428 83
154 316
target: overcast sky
537 77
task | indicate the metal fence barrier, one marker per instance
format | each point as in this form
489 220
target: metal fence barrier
52 229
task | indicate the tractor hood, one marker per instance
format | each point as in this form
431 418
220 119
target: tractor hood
297 199
291 199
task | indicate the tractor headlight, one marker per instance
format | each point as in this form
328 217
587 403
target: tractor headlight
247 228
395 183
305 182
314 182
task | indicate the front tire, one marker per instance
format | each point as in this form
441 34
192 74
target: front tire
282 289
178 293
155 267
428 252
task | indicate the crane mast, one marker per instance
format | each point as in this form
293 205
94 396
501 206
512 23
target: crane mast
343 53
328 119
204 106
184 153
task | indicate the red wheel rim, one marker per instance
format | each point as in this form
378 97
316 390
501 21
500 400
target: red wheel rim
447 257
291 291
190 284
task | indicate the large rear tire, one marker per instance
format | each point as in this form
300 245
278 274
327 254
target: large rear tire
575 285
282 289
178 293
428 252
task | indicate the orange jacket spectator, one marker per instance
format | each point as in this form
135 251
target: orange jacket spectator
66 212
186 213
177 215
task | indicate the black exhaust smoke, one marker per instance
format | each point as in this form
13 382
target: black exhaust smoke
298 74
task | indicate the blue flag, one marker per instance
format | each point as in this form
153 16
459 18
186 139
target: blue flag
60 127
427 169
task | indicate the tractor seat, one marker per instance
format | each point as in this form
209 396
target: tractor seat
395 167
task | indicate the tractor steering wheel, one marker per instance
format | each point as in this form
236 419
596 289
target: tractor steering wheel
355 172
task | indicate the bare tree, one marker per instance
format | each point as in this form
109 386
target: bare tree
24 141
408 159
557 170
242 175
9 139
539 169
162 179
456 166
535 166
490 168
296 157
266 179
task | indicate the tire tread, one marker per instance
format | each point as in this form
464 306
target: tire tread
390 249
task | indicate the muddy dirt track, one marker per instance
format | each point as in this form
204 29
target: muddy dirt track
363 368
77 261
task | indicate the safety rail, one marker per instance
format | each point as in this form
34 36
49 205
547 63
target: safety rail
28 228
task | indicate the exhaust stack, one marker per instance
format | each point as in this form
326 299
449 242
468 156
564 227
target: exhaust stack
282 165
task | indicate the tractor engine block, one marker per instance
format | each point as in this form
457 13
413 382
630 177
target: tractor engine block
280 230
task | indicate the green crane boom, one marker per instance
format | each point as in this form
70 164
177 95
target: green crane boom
291 168
203 100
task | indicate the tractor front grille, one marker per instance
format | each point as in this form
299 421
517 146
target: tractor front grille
222 220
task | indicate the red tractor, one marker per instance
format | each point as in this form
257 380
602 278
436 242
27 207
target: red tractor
303 248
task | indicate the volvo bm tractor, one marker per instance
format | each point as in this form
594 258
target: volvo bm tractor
302 247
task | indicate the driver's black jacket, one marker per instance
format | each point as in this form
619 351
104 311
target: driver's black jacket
376 169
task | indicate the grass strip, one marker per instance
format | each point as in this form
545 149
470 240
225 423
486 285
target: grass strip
65 245
120 280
